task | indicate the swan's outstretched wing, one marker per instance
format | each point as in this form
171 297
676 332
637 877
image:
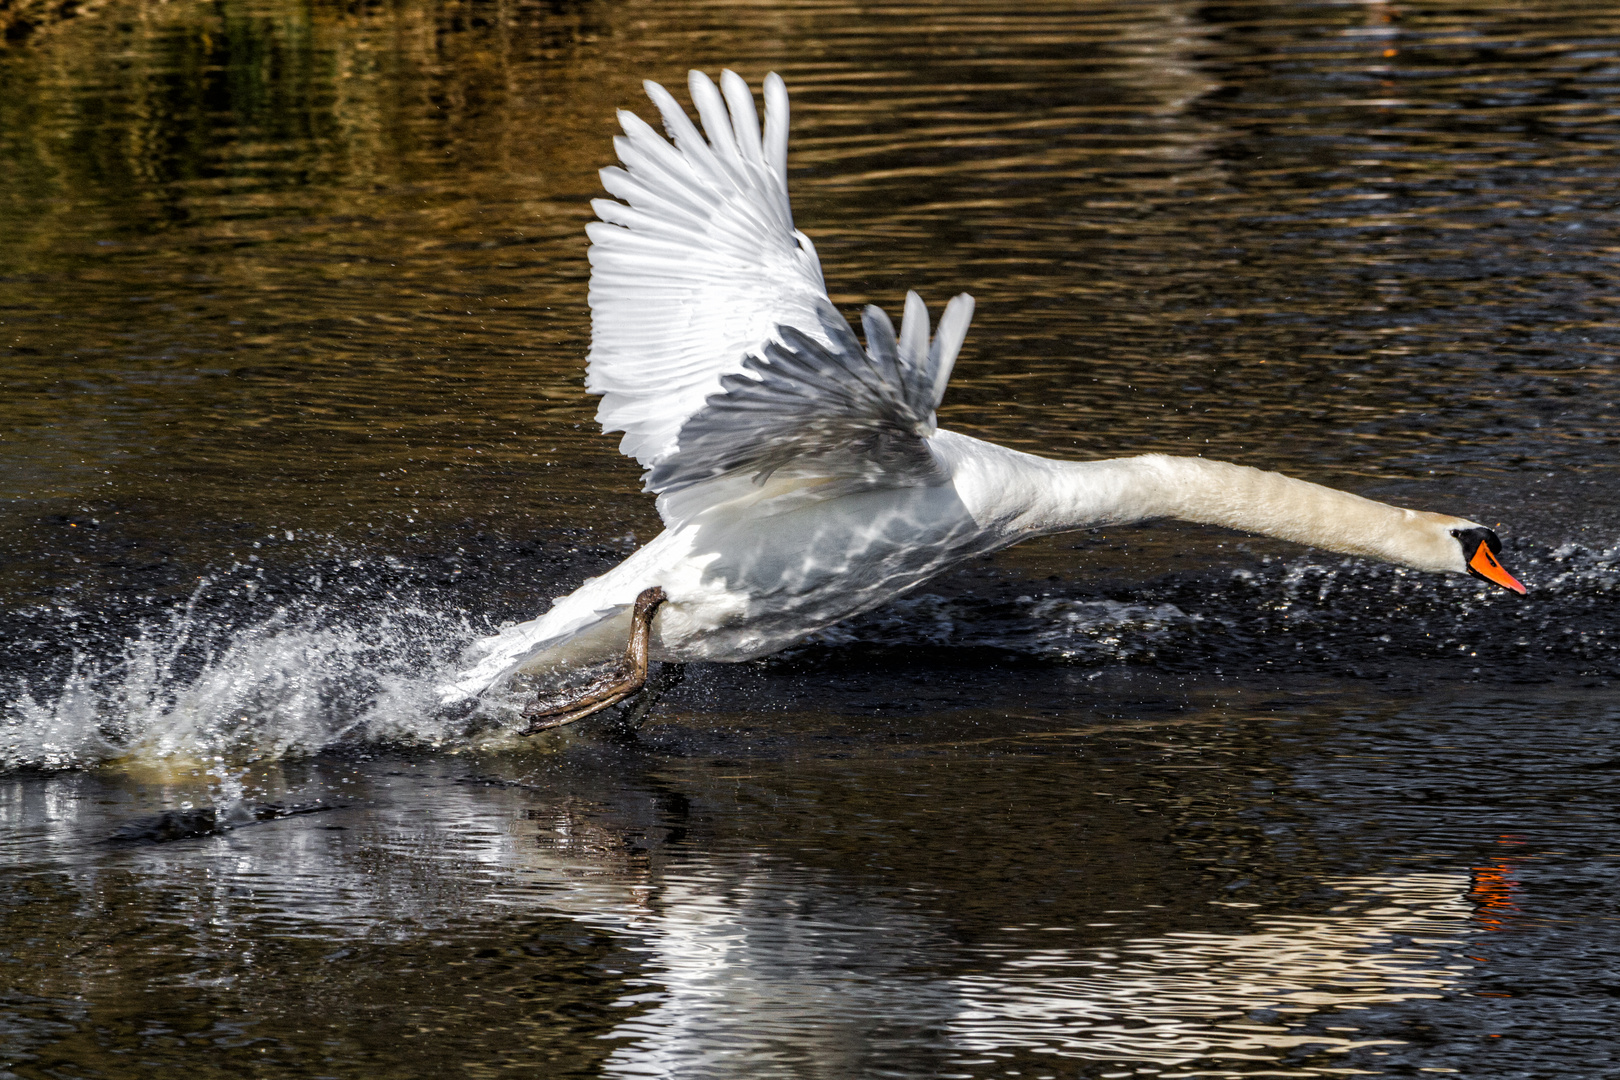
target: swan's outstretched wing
714 345
802 409
699 263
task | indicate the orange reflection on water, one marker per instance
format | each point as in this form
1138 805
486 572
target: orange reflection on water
1493 891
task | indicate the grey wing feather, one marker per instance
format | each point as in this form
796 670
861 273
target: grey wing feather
799 408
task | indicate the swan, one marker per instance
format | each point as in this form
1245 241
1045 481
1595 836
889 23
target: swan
802 478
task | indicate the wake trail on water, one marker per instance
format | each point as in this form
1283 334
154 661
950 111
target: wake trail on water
213 680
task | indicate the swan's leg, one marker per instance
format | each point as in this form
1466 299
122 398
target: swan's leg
614 685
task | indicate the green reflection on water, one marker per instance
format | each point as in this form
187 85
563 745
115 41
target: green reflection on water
323 265
258 245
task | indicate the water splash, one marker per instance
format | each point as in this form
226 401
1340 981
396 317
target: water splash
1055 627
222 694
225 679
1333 616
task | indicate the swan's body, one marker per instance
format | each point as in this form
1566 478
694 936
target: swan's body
802 479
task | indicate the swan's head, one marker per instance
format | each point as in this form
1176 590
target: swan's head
1480 548
1440 543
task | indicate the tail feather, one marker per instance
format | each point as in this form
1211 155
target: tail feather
490 661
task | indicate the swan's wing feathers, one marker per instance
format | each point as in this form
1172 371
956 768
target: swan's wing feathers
803 409
714 344
697 264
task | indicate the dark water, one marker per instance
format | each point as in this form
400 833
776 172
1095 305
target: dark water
292 318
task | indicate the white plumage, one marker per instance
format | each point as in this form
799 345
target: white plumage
802 478
699 263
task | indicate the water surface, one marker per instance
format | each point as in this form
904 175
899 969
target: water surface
292 311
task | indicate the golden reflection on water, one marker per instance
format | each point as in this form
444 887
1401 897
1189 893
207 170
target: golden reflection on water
324 263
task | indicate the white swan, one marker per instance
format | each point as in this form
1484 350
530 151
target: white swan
801 478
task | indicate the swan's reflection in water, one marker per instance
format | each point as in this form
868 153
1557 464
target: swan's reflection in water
758 967
711 944
1189 996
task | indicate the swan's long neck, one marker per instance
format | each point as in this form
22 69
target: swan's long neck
1028 496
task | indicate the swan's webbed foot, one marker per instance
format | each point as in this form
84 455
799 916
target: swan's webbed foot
612 686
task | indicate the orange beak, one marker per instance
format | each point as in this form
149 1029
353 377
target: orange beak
1485 565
